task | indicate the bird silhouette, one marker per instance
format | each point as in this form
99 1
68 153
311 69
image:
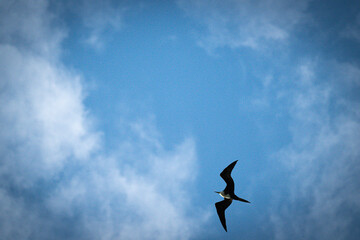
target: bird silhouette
228 194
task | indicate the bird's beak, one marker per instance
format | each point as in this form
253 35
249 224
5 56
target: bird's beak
217 192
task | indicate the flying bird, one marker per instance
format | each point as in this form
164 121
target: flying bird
228 194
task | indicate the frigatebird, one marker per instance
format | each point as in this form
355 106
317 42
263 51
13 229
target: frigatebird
228 194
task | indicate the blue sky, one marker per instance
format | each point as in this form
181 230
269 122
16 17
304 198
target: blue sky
118 116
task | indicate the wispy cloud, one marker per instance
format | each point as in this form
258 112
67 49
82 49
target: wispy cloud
244 23
352 30
323 192
101 17
30 26
52 162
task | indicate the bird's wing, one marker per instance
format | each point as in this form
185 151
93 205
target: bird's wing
226 175
220 208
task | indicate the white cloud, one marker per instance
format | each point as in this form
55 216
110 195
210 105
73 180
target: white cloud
322 158
46 122
52 164
132 202
244 23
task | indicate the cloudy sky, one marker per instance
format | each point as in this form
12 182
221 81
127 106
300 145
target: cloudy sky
118 116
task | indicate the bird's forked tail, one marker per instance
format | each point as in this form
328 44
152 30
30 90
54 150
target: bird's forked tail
240 199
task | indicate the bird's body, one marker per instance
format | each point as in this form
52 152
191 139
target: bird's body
228 194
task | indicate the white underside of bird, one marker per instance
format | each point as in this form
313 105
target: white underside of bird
226 196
